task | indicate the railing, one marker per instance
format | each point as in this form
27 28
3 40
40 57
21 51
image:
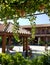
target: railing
43 33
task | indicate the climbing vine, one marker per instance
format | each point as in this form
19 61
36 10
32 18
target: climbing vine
33 26
15 29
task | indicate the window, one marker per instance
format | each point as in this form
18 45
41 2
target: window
43 31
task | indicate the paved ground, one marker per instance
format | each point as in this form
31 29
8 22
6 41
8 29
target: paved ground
35 49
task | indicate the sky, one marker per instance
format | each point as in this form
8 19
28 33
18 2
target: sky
41 19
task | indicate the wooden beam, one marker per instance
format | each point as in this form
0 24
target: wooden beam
3 43
9 42
25 45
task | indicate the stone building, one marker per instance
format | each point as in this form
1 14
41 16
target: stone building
42 32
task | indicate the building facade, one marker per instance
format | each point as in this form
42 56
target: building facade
42 34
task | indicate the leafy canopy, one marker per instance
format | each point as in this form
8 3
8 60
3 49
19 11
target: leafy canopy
20 8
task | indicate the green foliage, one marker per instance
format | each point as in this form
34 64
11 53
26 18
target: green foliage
33 27
18 59
33 30
0 57
48 43
21 8
15 29
8 8
46 58
42 60
0 40
41 42
5 59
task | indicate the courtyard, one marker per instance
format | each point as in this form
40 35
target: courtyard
35 49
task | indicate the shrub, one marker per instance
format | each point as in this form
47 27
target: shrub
42 60
5 59
20 60
16 59
41 42
49 43
0 57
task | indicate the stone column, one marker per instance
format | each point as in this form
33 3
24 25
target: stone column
38 40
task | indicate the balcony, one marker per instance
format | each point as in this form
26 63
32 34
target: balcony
42 32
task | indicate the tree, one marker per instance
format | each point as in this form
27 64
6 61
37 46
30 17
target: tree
33 27
22 8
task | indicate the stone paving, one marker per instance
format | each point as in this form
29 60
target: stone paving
35 49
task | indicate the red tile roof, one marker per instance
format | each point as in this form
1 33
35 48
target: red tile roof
9 28
21 30
37 25
2 27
